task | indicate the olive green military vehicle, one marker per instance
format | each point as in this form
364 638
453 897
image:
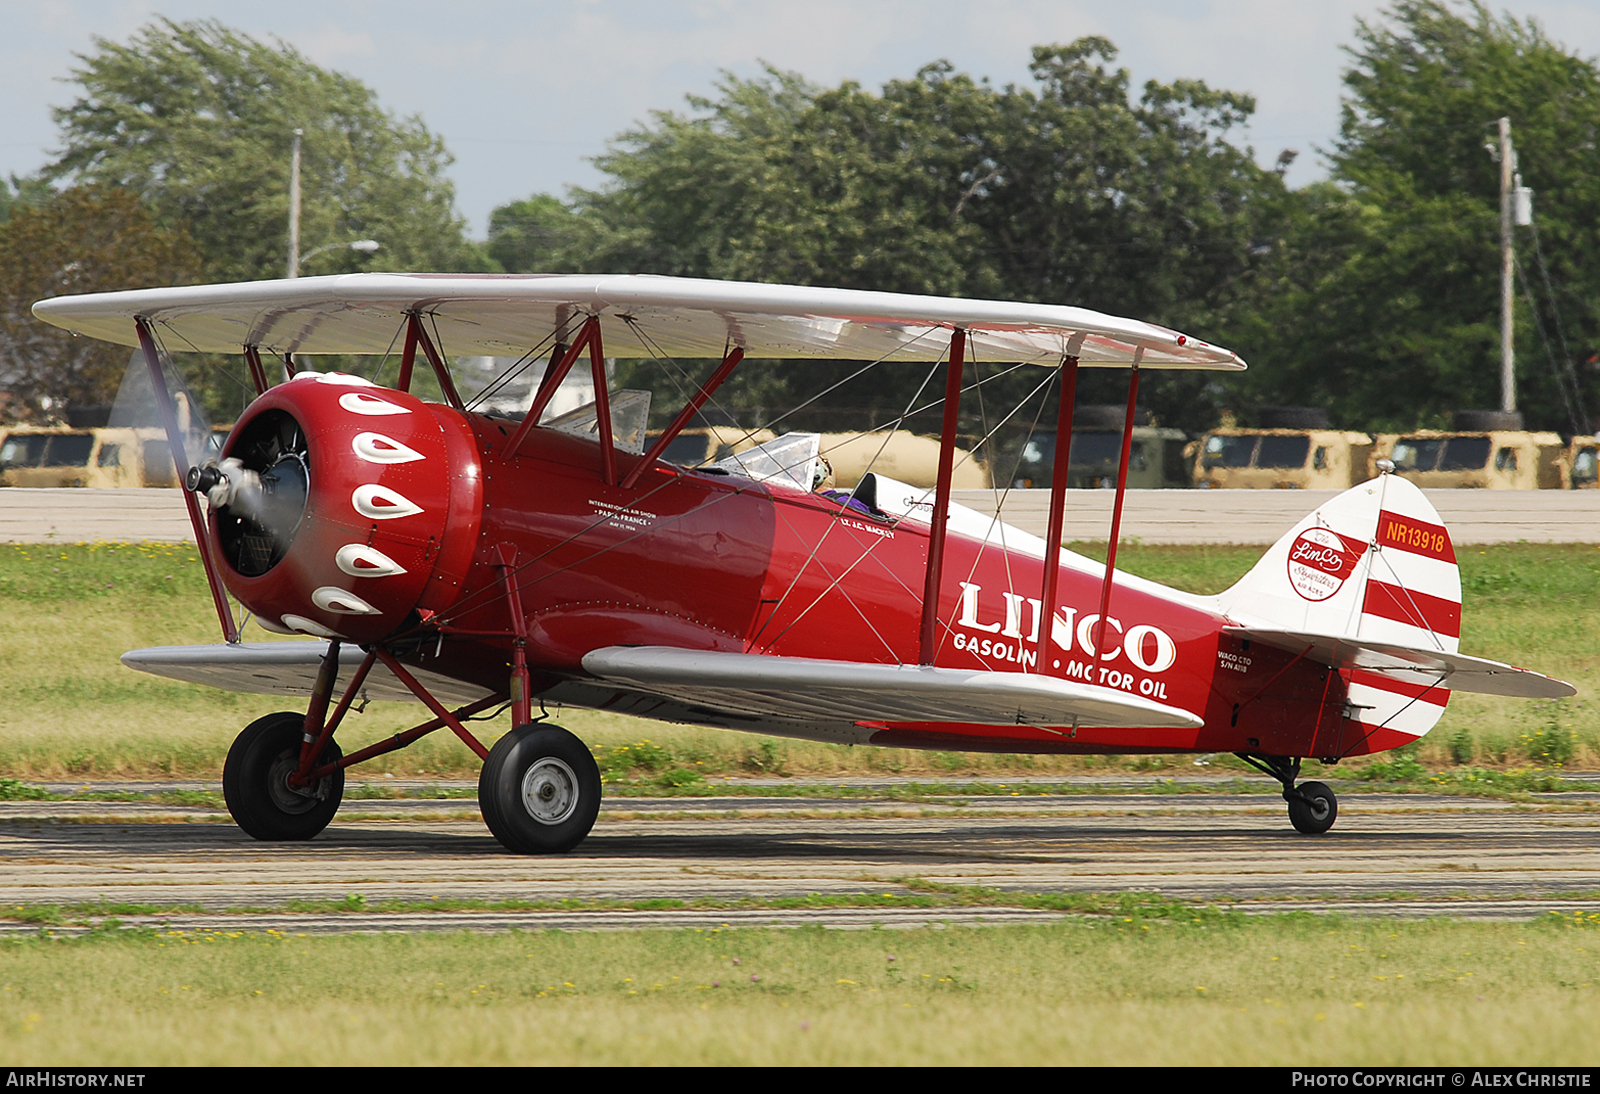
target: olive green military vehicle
1155 454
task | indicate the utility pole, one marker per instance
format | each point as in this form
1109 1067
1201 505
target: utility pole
293 269
1508 167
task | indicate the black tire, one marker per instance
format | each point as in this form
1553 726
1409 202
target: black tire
1314 810
255 781
1482 421
1293 417
539 790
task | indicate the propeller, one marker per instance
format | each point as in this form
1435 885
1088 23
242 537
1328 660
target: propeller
258 492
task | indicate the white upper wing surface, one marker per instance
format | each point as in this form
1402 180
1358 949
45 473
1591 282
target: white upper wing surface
640 315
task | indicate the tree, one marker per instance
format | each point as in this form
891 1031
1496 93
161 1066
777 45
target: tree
938 184
86 239
1139 207
1386 302
533 236
19 193
199 121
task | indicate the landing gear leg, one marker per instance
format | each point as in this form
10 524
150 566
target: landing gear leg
1312 806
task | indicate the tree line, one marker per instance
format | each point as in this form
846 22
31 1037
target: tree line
1373 293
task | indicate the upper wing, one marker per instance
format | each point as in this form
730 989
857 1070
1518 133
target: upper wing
804 689
286 668
1412 664
641 316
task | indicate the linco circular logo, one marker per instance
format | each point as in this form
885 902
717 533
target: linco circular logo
1320 560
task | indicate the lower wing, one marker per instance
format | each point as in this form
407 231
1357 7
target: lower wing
805 689
287 668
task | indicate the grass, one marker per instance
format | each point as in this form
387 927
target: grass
1162 983
1126 979
72 712
906 893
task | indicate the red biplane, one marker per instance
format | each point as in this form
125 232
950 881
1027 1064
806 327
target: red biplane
471 559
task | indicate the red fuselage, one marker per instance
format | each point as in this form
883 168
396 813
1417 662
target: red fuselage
697 560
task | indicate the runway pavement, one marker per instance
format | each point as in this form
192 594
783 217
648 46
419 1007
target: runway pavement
1390 854
1151 516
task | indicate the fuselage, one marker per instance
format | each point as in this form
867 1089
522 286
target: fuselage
698 560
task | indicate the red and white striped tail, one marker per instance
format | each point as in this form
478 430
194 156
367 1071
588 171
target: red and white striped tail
1375 566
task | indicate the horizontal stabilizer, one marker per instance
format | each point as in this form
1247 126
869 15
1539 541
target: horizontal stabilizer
1413 665
805 689
286 668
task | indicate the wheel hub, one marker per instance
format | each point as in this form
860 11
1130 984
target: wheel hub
288 798
550 791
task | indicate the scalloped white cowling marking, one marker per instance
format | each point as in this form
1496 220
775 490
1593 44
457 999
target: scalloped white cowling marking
381 503
359 402
299 624
331 598
359 560
377 448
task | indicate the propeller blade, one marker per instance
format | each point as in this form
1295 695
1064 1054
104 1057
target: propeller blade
135 407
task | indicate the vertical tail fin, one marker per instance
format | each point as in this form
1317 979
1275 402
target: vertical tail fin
1373 565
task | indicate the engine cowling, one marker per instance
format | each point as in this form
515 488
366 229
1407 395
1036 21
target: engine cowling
353 508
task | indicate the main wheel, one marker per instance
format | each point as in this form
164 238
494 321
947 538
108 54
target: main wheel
1315 810
255 781
539 790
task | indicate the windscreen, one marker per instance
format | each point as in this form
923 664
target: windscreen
1283 452
1417 453
1229 451
1465 454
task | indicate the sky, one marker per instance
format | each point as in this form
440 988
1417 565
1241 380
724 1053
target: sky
525 93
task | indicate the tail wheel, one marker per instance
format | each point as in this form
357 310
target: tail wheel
1313 808
255 781
539 790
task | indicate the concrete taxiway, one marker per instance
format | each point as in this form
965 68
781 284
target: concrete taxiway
1390 854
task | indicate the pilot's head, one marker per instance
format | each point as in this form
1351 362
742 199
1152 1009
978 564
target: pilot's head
822 473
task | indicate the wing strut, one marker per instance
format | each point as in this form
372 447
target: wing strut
416 335
941 504
696 401
558 353
180 462
408 354
258 374
1058 503
552 380
1116 507
602 407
